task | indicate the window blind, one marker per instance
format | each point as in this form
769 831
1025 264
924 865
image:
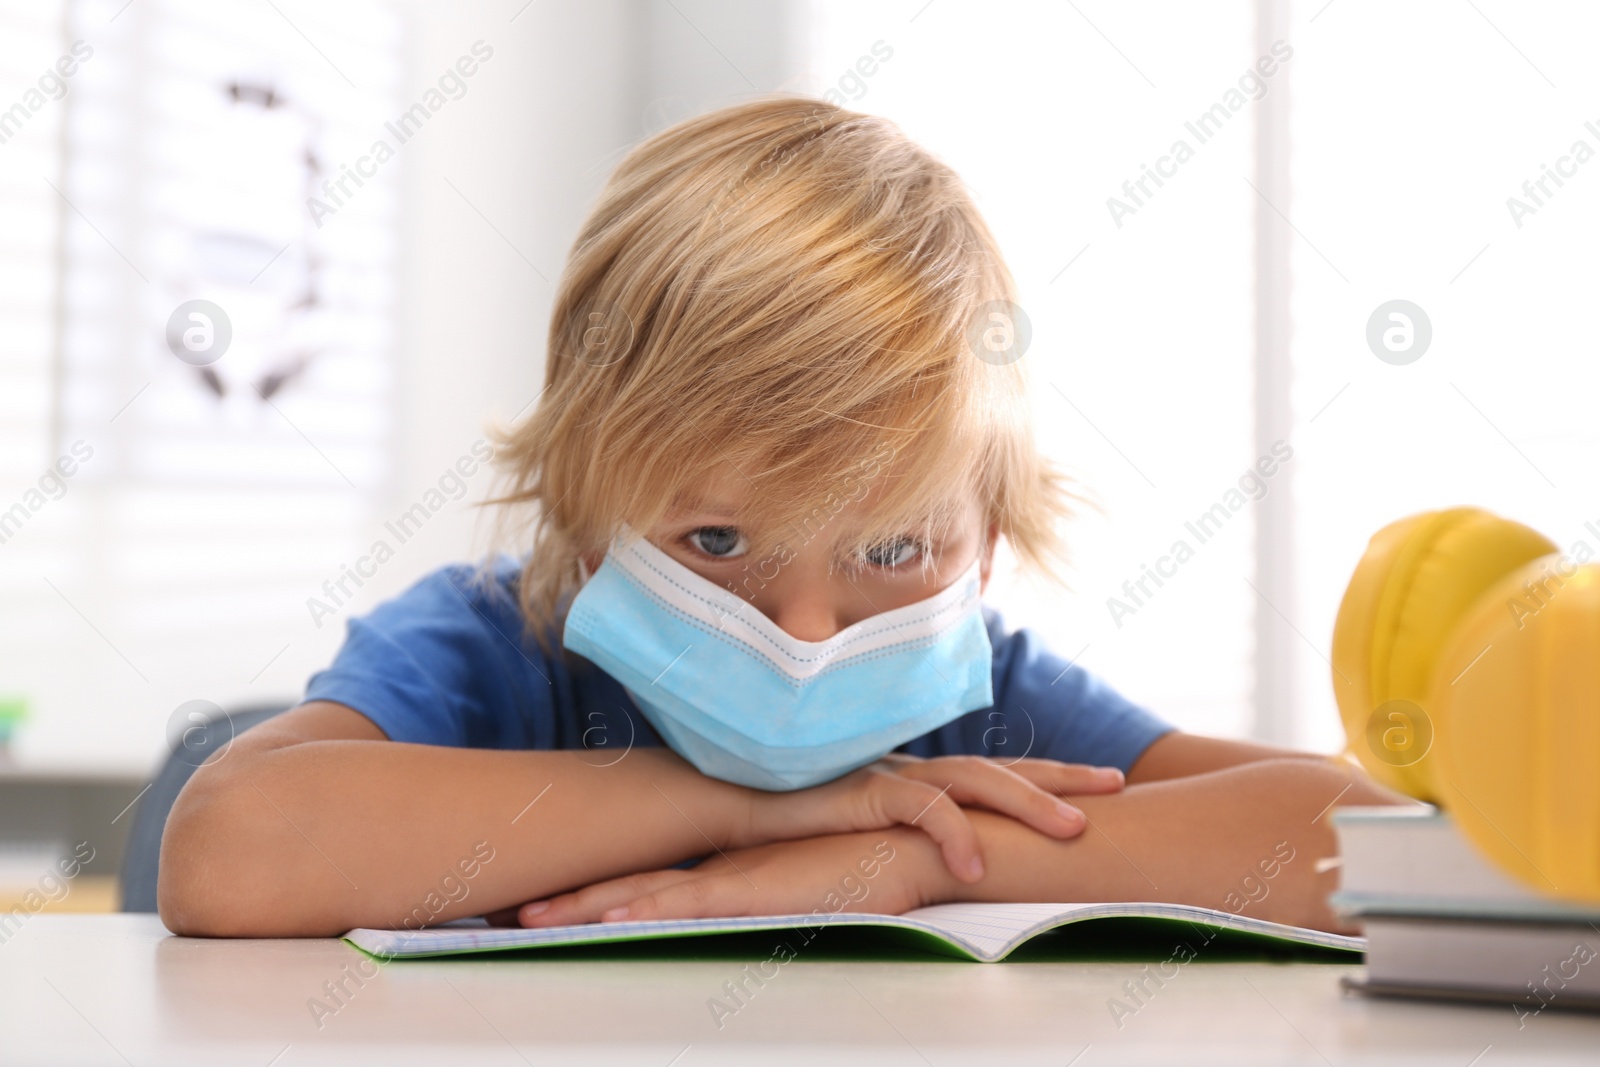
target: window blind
214 494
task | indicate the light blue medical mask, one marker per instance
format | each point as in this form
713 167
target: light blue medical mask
743 701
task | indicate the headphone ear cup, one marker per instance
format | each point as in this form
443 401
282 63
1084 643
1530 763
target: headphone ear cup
1355 635
1518 708
1412 586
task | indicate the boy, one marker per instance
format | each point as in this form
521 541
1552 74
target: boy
767 474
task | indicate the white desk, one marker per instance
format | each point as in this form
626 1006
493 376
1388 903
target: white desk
114 989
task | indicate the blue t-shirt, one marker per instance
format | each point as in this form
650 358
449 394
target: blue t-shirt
447 662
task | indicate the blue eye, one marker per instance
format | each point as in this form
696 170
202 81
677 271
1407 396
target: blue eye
719 542
894 553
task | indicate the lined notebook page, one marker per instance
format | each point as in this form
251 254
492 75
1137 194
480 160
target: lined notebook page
986 932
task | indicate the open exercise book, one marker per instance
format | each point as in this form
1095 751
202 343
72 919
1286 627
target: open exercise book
984 932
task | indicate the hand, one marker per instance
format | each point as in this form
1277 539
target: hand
930 794
886 872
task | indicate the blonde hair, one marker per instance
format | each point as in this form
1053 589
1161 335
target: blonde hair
784 290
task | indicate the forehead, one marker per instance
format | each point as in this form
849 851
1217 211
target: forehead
720 493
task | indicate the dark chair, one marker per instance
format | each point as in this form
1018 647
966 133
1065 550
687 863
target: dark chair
141 858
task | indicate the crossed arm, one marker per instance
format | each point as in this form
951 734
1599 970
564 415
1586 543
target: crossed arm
1233 826
314 823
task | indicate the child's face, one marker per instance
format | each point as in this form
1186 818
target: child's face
800 595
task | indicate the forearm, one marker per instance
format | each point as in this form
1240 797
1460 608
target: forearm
316 838
1206 840
1179 755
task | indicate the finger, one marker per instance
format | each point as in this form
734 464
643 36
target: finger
976 781
708 896
896 798
1069 778
504 917
586 905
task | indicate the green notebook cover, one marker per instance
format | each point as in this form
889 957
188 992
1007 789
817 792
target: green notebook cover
986 933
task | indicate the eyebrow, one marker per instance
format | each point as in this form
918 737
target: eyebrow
694 506
697 506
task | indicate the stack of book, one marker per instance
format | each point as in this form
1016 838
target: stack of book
1441 921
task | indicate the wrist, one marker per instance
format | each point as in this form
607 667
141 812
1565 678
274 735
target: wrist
1003 842
922 866
729 809
763 817
712 809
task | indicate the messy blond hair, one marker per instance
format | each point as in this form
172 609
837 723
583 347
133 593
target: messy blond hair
784 289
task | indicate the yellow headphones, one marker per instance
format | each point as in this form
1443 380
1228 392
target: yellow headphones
1466 661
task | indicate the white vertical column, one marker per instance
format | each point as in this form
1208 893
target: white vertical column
1275 713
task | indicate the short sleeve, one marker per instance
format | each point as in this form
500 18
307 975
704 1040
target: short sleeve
1046 706
445 663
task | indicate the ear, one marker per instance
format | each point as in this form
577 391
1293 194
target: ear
986 556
